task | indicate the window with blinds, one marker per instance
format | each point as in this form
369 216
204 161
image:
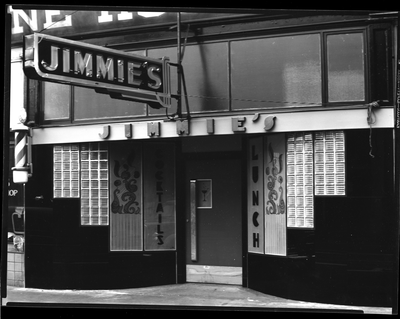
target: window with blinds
329 153
66 171
300 182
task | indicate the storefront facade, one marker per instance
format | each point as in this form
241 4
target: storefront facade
280 178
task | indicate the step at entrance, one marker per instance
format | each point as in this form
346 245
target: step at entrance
214 274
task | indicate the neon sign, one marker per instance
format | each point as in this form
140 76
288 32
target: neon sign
119 74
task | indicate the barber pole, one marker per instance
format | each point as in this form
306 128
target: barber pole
20 149
20 171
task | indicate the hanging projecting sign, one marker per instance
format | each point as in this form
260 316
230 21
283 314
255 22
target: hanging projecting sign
119 74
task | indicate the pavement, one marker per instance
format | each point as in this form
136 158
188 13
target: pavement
189 296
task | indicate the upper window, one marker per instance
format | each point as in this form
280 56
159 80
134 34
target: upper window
345 66
276 71
294 71
56 101
316 69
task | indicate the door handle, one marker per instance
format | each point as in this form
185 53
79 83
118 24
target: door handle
193 220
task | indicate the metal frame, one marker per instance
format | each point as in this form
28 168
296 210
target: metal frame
193 221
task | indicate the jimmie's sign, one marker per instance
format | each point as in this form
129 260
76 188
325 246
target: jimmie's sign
119 74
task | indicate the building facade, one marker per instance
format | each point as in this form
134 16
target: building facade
275 171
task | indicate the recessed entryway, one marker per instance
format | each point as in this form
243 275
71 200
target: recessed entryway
214 220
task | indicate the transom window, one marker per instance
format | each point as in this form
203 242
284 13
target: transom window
345 64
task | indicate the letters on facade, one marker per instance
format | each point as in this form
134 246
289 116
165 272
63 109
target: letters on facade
154 129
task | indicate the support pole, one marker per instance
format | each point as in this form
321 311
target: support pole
179 90
397 183
6 150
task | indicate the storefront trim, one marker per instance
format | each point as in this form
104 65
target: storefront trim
225 125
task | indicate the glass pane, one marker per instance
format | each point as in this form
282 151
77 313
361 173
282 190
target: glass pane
330 176
300 180
65 171
56 101
289 68
93 199
91 105
206 75
346 67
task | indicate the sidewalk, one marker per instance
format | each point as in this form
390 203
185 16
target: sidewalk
186 296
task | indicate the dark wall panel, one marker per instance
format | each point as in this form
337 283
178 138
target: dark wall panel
349 257
62 254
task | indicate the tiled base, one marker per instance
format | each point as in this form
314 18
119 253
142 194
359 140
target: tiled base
15 269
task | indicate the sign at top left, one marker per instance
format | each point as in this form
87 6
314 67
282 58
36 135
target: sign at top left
121 75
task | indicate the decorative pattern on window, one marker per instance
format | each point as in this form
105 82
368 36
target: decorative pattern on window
94 184
66 171
126 218
275 218
300 199
267 195
329 148
142 190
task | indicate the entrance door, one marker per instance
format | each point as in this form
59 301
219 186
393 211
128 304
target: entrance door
214 221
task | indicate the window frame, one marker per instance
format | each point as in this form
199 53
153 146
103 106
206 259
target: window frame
324 32
42 108
324 63
290 106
